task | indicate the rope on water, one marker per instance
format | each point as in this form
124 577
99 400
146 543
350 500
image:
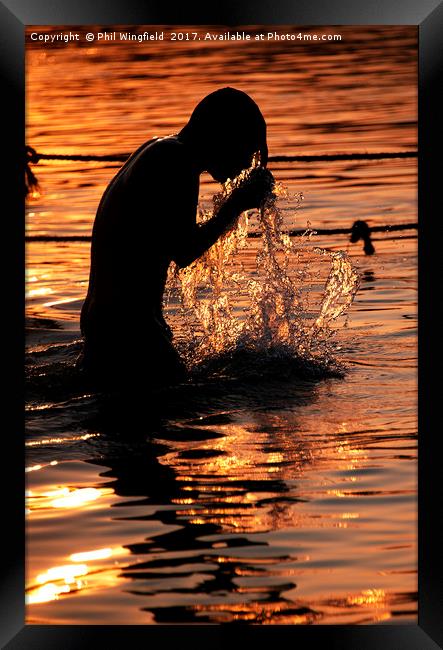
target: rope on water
354 230
359 231
330 157
33 157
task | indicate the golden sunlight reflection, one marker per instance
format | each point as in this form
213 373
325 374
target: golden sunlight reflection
67 573
76 498
65 497
52 441
240 456
260 612
41 291
62 301
35 468
98 554
369 597
69 578
350 455
46 593
283 612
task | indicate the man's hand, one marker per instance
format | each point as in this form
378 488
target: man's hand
252 192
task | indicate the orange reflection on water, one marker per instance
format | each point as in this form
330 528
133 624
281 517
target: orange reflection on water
67 573
68 578
64 497
52 441
350 455
260 612
223 500
41 291
46 593
76 498
35 468
300 613
369 597
99 554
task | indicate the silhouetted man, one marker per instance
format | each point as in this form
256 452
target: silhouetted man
145 220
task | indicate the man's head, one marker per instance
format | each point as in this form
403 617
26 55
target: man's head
227 128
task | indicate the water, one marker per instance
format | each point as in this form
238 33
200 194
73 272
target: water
227 310
279 485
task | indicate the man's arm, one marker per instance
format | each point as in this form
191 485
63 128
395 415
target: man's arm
199 238
167 165
195 240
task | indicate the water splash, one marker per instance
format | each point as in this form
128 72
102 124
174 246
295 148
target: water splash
265 296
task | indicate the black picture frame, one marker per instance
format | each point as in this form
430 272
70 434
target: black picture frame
427 15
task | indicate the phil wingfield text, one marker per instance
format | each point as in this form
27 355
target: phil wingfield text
58 38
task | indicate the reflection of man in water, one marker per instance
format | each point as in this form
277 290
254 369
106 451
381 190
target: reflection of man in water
146 219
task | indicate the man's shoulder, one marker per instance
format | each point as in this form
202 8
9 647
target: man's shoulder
169 144
158 151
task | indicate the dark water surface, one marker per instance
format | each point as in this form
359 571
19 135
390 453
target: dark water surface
264 492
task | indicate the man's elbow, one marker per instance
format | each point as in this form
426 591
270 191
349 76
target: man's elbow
184 259
186 255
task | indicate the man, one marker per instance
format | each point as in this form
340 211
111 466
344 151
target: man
145 220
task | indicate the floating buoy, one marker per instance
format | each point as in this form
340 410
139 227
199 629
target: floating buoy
361 230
